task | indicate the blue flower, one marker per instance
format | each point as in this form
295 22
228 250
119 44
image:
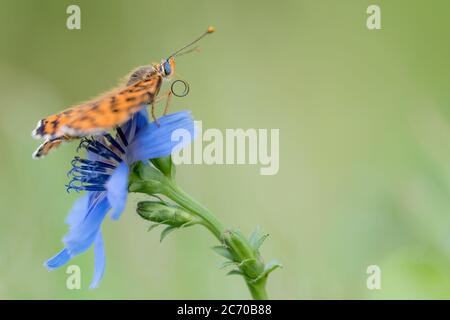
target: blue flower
104 175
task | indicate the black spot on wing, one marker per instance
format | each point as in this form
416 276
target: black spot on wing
55 123
40 129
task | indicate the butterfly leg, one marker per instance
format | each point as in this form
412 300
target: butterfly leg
166 107
165 95
153 114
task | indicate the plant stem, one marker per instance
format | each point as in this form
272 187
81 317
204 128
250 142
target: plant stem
183 199
172 191
241 252
258 289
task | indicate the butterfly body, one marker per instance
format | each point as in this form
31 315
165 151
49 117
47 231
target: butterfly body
104 113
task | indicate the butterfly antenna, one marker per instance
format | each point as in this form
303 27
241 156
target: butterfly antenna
194 49
208 31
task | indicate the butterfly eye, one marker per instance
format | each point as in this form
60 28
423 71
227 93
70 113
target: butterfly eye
167 68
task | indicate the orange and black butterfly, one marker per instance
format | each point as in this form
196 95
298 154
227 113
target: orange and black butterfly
111 109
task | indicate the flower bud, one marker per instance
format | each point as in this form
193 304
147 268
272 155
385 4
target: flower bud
162 213
244 254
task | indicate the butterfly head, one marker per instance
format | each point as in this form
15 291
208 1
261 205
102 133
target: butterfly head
167 67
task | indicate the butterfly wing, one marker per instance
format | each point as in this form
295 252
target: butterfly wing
102 114
48 145
115 109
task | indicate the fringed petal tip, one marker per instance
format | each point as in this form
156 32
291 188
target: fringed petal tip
60 259
46 266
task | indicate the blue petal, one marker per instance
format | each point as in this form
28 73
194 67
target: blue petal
154 142
81 236
135 124
58 260
117 189
99 261
141 119
89 205
79 211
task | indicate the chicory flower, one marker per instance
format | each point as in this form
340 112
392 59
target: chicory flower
104 175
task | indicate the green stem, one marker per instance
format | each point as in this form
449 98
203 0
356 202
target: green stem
172 191
258 289
183 199
151 180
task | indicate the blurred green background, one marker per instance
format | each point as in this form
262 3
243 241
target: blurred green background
364 119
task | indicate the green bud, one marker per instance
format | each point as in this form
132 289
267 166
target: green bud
162 213
238 244
243 254
247 257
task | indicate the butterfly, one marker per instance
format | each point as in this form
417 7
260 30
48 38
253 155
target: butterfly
111 109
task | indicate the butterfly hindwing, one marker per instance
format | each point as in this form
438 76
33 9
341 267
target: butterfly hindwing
48 145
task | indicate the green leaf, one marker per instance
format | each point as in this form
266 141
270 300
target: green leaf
165 165
246 262
260 241
223 251
153 226
188 224
271 266
227 264
268 268
234 272
256 239
254 236
165 232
